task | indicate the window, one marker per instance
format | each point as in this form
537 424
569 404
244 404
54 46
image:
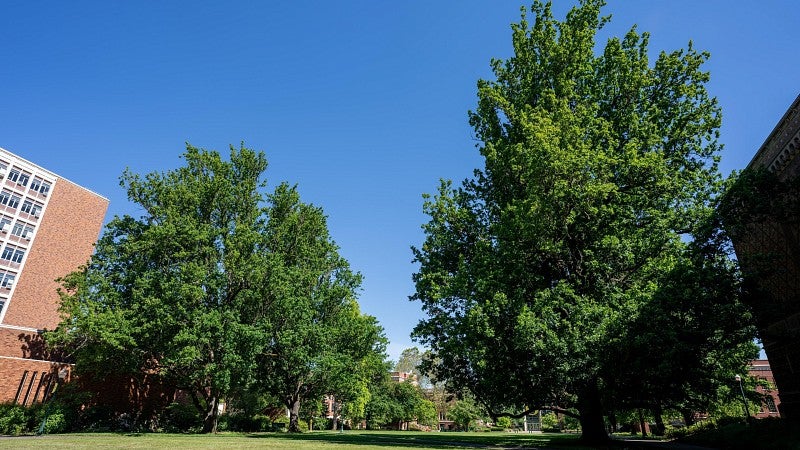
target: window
18 255
3 168
4 223
36 210
7 281
8 252
4 198
22 230
13 202
27 206
40 186
13 175
23 179
770 404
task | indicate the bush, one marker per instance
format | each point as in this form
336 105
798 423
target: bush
180 417
699 427
242 422
302 424
503 423
13 419
18 419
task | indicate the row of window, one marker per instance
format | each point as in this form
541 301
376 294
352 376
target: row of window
23 178
26 388
12 201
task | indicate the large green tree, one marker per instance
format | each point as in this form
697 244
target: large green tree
597 168
221 292
316 340
163 297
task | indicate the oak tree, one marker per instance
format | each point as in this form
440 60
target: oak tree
597 168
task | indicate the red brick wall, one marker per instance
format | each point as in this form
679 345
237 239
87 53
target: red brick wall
64 241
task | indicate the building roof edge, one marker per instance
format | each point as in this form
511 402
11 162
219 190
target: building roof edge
53 174
795 104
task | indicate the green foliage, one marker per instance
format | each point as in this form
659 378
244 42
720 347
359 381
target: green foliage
550 422
392 403
503 423
245 423
18 419
541 269
165 293
13 420
465 413
318 342
180 417
221 292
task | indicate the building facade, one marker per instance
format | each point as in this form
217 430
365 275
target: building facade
48 227
765 385
767 245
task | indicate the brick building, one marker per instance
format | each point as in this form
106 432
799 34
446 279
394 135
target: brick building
768 248
48 227
761 371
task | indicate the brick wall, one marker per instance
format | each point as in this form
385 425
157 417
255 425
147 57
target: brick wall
64 241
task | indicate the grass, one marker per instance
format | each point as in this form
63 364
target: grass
326 440
763 433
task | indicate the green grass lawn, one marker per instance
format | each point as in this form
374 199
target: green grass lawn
362 440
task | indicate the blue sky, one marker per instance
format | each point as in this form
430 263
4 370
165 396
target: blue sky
363 104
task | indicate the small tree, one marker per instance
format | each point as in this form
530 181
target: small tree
316 340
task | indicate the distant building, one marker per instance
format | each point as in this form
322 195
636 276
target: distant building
768 249
48 227
761 371
400 377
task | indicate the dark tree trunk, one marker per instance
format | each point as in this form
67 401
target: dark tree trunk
334 422
688 417
660 427
612 419
294 415
593 430
642 424
211 415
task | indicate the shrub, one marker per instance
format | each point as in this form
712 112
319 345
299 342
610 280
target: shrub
699 427
13 420
242 422
503 423
180 417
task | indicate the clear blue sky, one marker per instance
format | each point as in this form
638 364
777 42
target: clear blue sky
362 103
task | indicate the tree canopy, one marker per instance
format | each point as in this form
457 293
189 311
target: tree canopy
599 169
214 293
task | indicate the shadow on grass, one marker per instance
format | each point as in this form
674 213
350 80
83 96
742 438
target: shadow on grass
447 440
772 433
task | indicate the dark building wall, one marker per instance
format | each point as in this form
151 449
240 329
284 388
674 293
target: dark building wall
768 248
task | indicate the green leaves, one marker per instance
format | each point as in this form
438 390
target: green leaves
210 289
596 166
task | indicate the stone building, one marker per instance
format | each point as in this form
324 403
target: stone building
48 227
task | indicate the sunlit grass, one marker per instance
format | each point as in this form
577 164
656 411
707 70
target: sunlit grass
316 440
